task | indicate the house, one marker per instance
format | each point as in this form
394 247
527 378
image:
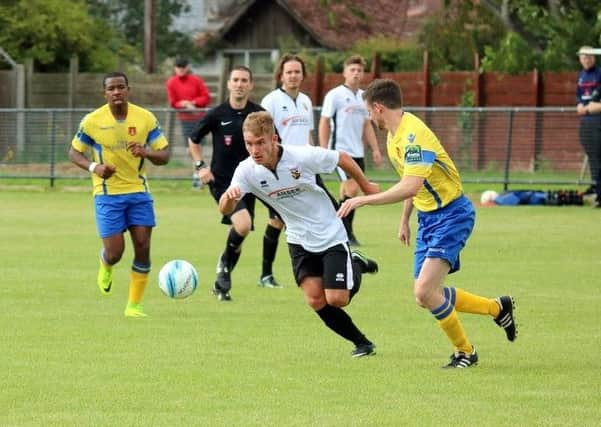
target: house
253 32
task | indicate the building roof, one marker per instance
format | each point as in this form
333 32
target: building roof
338 25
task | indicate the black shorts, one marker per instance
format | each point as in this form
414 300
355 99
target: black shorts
333 265
247 202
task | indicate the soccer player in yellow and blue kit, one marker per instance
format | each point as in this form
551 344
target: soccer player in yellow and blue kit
120 137
430 183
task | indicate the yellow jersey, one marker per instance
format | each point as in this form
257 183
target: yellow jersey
414 150
108 138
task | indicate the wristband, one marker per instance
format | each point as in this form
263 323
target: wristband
92 167
199 164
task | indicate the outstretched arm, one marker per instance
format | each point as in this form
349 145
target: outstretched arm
348 165
406 188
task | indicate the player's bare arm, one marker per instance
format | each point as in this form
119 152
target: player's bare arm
229 199
351 167
156 157
404 228
103 171
593 107
402 190
204 174
369 138
324 131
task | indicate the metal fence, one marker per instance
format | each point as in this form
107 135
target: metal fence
496 145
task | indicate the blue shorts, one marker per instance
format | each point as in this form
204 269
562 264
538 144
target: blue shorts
116 213
443 233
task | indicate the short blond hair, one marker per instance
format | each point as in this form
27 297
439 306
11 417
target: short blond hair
259 123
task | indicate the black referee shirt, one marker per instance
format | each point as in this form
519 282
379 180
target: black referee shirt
225 125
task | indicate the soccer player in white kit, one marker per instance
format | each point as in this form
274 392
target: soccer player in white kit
345 126
284 177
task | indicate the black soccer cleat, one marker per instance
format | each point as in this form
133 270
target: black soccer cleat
506 319
462 360
366 265
364 350
221 295
224 280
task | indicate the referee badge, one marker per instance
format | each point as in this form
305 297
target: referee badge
295 173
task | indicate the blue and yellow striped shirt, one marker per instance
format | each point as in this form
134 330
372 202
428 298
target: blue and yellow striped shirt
414 150
107 138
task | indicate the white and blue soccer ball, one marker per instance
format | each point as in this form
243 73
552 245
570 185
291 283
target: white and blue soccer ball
178 279
488 197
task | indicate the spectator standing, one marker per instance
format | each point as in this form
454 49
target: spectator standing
187 92
587 92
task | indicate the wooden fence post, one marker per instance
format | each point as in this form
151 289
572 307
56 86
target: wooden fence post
426 99
319 77
376 65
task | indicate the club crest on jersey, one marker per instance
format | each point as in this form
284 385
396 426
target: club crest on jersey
131 131
411 138
413 154
295 173
227 139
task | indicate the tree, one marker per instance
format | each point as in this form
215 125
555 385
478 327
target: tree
549 32
127 16
52 31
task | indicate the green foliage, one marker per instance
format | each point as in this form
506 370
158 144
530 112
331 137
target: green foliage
396 55
127 16
456 34
513 56
52 31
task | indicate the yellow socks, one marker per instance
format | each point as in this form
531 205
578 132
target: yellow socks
451 325
466 302
138 281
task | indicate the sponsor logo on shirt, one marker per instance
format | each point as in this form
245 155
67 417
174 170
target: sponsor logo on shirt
285 193
263 184
295 121
411 138
340 277
226 123
413 154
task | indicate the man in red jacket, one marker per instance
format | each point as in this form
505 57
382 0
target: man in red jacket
187 91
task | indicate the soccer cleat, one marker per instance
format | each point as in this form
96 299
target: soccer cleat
462 360
364 350
221 295
105 279
367 265
134 310
224 280
269 282
505 319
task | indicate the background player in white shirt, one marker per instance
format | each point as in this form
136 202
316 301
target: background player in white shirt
284 177
292 113
345 126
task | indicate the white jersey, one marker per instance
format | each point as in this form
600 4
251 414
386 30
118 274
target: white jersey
347 113
291 190
293 118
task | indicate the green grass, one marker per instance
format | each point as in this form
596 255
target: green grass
69 357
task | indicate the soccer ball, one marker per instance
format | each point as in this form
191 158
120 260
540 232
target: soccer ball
178 279
489 197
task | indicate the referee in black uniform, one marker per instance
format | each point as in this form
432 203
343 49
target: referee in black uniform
224 122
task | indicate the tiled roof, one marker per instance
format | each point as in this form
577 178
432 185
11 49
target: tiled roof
339 24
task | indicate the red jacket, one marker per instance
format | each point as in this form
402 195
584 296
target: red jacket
187 88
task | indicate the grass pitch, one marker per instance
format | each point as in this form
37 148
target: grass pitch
70 357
